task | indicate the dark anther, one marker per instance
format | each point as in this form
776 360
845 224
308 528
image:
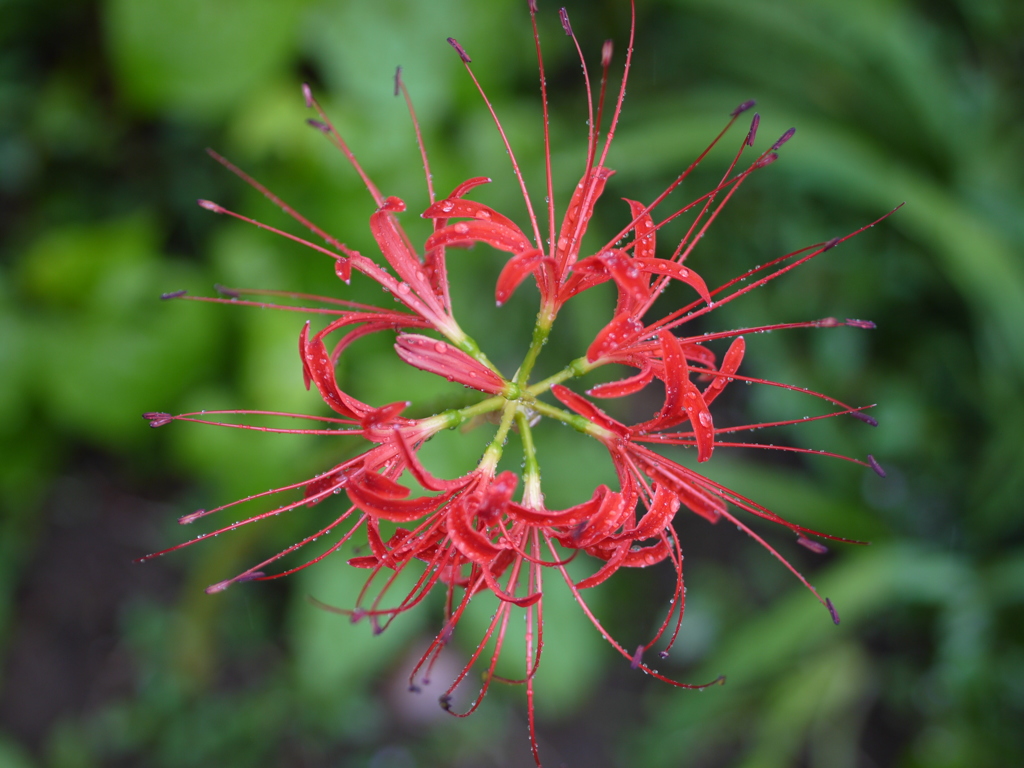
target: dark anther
563 15
832 610
869 420
753 129
875 466
157 419
223 290
172 295
784 138
319 125
854 323
815 546
742 108
459 50
638 655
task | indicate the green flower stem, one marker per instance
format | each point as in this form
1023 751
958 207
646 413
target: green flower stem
541 331
468 345
532 496
577 367
579 423
494 450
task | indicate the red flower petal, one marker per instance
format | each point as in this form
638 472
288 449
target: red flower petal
581 208
588 410
730 364
515 271
468 232
442 358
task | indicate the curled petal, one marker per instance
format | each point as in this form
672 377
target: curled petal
614 562
588 410
318 368
641 557
621 268
682 396
397 251
386 414
643 230
467 185
497 496
623 330
442 358
624 387
469 209
677 272
522 602
566 517
730 364
663 508
697 501
366 493
468 232
608 518
417 470
581 207
515 271
317 488
473 544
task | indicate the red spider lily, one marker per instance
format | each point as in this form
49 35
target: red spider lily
468 534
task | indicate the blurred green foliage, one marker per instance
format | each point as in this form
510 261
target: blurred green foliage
105 108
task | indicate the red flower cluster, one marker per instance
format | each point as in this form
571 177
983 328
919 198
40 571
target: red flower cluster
471 534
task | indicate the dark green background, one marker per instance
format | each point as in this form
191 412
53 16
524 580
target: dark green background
105 109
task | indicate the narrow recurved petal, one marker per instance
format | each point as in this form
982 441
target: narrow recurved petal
588 410
643 230
581 208
623 330
682 395
515 271
623 387
396 249
468 209
389 506
469 232
318 368
663 508
442 358
606 571
472 543
672 475
677 272
560 517
730 364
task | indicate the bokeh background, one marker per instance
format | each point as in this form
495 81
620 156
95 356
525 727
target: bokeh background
105 111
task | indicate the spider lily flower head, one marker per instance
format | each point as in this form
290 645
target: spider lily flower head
489 531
